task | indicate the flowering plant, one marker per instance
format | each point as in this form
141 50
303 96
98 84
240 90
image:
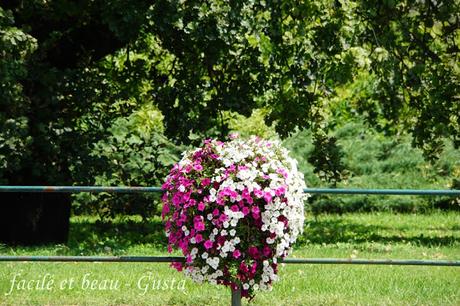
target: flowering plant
233 208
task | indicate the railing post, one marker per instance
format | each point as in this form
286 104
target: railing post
236 296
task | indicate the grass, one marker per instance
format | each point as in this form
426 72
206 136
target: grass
382 235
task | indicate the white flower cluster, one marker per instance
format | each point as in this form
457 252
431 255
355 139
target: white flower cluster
276 157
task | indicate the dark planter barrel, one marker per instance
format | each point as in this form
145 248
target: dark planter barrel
34 218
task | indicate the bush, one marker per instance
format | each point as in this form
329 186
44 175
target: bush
136 153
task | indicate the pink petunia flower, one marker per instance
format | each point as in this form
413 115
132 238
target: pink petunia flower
205 182
199 226
266 251
244 267
268 197
253 252
254 267
223 218
198 223
255 212
165 210
208 244
198 238
177 265
280 191
258 193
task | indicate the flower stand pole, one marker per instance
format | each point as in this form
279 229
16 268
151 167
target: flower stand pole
236 297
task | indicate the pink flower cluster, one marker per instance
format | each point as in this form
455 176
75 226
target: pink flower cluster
233 208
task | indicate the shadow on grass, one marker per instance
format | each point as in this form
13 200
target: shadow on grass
339 231
89 236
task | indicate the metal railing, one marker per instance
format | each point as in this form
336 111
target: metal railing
236 294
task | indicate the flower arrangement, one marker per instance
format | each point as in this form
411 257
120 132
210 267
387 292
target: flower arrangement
234 208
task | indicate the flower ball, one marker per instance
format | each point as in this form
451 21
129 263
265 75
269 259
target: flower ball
233 208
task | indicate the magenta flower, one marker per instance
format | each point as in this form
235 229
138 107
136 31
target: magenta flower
208 244
283 172
280 191
266 251
198 223
234 208
177 199
191 202
198 238
223 218
177 265
205 182
254 267
258 193
236 253
268 197
244 267
165 210
199 226
201 206
255 212
221 240
253 252
220 200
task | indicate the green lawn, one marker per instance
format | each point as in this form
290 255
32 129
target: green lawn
383 235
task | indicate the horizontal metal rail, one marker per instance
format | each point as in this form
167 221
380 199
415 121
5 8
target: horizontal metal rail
75 189
425 192
399 262
137 189
95 258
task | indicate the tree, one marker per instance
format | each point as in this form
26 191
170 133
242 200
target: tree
49 85
15 47
414 47
72 69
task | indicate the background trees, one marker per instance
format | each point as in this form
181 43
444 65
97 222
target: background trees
86 86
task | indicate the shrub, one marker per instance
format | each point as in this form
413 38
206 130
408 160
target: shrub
135 153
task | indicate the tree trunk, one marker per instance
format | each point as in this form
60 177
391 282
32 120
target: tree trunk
34 218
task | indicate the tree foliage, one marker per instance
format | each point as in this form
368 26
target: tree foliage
414 48
15 140
79 70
